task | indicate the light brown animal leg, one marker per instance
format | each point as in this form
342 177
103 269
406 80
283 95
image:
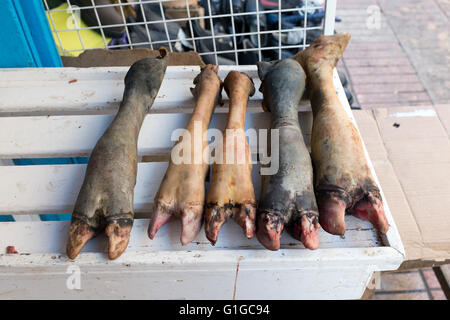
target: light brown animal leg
343 181
182 191
231 192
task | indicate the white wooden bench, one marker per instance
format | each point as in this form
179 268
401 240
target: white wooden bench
62 113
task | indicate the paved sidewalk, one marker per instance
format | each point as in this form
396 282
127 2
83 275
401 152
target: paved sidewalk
403 61
422 28
421 284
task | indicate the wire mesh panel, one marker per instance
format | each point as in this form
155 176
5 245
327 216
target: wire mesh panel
221 31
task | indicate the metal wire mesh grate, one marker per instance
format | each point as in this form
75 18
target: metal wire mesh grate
221 31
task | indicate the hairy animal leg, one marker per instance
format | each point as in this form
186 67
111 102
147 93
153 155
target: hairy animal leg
231 192
182 190
343 181
287 198
105 201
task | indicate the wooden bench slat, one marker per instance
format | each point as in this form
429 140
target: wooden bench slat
54 188
69 136
57 91
53 235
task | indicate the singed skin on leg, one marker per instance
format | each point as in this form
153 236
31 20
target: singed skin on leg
105 201
231 191
343 181
287 197
182 191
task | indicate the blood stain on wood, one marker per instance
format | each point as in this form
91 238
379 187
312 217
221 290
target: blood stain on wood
11 250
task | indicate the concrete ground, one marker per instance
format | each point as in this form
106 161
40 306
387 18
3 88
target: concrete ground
399 55
421 284
402 60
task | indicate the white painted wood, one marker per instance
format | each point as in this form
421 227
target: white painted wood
99 90
330 17
187 275
162 268
26 217
49 237
54 188
292 284
6 162
68 136
31 217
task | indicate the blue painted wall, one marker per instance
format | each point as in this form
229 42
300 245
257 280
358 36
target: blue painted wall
27 41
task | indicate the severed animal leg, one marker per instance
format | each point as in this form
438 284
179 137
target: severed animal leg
105 201
287 197
343 181
231 191
182 191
